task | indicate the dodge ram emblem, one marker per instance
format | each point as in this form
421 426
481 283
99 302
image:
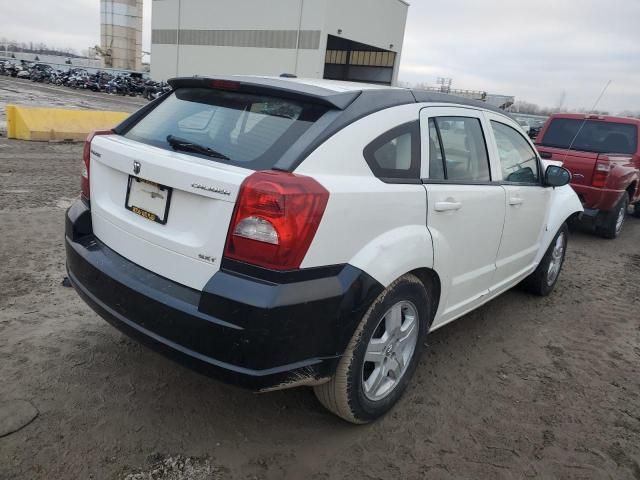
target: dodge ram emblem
136 167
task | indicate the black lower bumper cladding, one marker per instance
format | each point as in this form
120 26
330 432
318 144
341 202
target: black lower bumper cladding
255 328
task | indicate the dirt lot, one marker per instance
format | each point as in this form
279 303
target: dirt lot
30 94
522 388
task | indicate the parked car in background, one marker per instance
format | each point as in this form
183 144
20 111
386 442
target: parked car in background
535 128
603 155
524 124
23 72
41 72
280 232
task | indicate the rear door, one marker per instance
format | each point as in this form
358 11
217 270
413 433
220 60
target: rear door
466 207
168 207
526 202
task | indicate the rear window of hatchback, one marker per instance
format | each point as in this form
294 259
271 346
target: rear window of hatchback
253 131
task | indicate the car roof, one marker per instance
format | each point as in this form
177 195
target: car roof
347 102
340 86
337 86
334 93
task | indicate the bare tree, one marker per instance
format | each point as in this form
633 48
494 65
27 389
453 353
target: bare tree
522 106
630 113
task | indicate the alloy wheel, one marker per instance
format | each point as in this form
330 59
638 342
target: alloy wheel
390 350
557 256
620 219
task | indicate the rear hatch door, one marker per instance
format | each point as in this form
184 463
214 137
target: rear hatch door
167 205
188 246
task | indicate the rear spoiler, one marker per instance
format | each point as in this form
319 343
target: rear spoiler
275 87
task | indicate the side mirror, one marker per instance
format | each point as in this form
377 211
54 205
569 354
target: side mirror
556 176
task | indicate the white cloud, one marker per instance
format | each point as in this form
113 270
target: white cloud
532 49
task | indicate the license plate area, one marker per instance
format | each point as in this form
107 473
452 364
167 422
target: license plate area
148 199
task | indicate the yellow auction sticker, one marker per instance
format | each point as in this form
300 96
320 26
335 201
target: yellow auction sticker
144 213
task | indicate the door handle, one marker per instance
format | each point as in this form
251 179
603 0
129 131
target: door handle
516 201
447 206
546 155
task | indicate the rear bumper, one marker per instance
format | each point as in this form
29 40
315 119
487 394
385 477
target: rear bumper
257 329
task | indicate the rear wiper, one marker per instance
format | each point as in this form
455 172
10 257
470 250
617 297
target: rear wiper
188 146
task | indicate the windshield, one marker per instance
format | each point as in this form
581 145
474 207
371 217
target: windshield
248 130
595 136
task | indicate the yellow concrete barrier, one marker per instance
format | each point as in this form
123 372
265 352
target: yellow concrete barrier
44 124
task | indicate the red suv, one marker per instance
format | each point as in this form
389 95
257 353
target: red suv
603 156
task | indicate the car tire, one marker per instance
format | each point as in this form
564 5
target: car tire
636 210
363 389
614 220
544 278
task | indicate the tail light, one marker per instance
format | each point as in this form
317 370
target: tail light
275 219
601 172
86 162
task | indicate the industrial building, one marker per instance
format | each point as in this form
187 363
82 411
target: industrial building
121 34
356 40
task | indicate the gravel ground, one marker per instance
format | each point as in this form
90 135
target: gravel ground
521 388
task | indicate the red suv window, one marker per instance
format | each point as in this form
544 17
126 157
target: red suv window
591 136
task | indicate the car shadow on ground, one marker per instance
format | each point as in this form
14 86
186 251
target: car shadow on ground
160 382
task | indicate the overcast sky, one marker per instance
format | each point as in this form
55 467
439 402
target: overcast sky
533 49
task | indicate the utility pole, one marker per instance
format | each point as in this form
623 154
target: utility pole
445 84
561 100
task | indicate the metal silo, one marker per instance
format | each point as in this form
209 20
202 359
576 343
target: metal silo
121 33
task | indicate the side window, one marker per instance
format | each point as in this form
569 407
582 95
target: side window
458 151
518 160
395 155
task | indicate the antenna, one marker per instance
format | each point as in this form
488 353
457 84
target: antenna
566 152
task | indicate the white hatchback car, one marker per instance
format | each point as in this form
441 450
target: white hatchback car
282 232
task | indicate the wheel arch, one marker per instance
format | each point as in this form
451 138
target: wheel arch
396 252
431 280
401 251
632 189
563 206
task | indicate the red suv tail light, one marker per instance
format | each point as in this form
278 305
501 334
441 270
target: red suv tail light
601 172
275 219
86 162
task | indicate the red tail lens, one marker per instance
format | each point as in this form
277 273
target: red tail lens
276 217
225 84
86 162
601 172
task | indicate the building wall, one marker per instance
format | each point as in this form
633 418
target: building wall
215 43
260 37
380 23
121 32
